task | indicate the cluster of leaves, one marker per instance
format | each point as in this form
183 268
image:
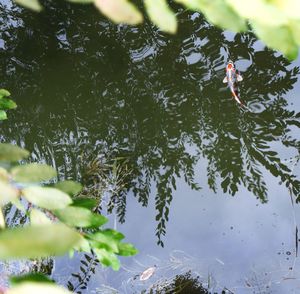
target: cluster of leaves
275 22
58 223
5 103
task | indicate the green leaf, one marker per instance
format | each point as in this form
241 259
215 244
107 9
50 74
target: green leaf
7 193
120 11
127 249
4 93
279 38
6 104
70 187
37 288
161 15
104 240
81 1
31 277
84 202
83 245
3 115
107 258
38 218
37 241
9 152
48 198
80 217
33 173
113 234
217 12
31 4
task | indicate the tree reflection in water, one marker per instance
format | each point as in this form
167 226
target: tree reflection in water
83 84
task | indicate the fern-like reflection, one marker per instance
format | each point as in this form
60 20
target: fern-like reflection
85 86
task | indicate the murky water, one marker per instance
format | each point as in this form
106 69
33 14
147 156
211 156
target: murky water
210 181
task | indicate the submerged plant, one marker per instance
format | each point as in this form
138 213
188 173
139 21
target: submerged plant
57 223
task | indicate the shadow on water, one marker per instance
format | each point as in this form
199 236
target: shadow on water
86 86
83 84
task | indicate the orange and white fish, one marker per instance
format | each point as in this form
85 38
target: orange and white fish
232 77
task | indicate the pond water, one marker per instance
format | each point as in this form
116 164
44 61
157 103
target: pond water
209 189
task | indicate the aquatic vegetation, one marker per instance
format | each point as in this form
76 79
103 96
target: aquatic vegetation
5 103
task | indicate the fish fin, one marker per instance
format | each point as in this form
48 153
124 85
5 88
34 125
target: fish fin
225 80
239 78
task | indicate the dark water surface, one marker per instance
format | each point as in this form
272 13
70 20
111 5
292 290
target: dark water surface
210 181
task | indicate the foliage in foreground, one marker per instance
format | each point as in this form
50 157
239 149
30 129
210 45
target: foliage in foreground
5 103
57 224
275 22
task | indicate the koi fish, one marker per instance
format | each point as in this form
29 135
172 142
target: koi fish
232 77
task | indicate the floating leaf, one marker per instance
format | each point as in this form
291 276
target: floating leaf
9 152
33 173
107 258
31 4
4 93
37 241
80 217
3 115
7 193
127 249
70 187
37 288
38 218
6 104
148 273
217 12
31 277
161 15
48 198
120 11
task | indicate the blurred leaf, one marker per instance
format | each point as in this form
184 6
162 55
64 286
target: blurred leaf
6 104
114 234
279 38
37 288
80 217
217 12
2 219
161 15
31 4
107 258
3 174
295 29
48 198
83 245
9 152
70 187
84 202
4 93
3 115
37 241
38 218
33 173
127 249
7 193
31 277
260 11
120 11
81 1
